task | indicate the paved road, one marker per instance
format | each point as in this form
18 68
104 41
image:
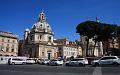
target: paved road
56 70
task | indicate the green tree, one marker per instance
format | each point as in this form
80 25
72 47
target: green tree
96 30
88 29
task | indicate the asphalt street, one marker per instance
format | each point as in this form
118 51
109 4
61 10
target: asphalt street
56 70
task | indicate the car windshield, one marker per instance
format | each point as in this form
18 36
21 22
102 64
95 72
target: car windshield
53 60
119 57
76 59
46 59
29 59
17 59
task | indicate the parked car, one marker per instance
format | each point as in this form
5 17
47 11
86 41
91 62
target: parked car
91 59
30 61
36 60
107 60
77 62
55 62
43 61
39 61
13 61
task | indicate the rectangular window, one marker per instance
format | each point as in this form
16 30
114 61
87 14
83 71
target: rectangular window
12 46
12 50
8 40
2 48
7 49
40 36
13 41
7 45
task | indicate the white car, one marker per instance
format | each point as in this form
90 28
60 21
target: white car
107 60
43 61
55 62
30 61
39 61
77 62
13 61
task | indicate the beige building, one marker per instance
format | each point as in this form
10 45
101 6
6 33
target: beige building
111 47
8 44
38 42
67 51
68 48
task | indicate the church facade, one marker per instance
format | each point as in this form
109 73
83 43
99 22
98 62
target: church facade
39 41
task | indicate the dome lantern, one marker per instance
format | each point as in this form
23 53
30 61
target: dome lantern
42 17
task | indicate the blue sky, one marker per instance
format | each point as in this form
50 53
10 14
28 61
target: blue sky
62 15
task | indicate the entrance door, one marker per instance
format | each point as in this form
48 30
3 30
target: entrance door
49 55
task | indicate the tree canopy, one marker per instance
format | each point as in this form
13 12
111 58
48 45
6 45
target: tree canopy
92 28
102 31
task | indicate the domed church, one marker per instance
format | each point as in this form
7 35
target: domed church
38 41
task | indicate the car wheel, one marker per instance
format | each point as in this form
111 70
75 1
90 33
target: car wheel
67 64
96 64
13 63
48 64
56 64
23 63
80 64
42 63
115 63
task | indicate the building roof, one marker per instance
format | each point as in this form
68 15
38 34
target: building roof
8 34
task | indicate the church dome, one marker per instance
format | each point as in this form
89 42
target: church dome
42 25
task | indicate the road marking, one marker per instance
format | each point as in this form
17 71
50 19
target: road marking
97 71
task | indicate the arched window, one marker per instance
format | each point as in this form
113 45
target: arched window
31 37
38 37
